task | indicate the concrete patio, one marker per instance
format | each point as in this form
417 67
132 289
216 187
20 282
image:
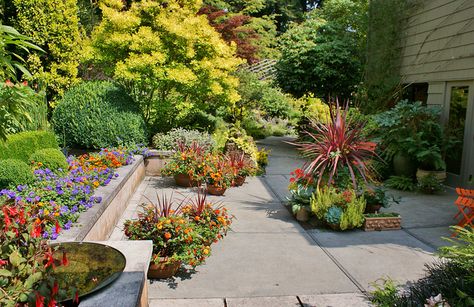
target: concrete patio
268 259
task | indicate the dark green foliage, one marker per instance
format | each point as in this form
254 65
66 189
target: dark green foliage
415 130
430 184
20 146
400 183
50 158
98 114
14 172
449 279
320 58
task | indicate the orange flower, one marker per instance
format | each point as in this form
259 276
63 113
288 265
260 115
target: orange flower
167 235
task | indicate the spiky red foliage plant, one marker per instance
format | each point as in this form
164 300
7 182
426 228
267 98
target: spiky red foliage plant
337 144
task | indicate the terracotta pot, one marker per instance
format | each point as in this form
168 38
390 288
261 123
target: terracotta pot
440 175
213 190
184 180
238 181
302 215
372 208
163 269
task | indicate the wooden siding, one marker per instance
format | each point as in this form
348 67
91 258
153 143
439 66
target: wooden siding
438 42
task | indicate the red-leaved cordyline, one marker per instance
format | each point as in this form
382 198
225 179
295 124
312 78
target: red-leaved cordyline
336 144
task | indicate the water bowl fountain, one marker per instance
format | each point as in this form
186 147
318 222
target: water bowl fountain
91 267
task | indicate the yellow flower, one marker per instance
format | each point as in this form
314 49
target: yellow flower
46 212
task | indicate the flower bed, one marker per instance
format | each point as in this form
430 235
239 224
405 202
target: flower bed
56 198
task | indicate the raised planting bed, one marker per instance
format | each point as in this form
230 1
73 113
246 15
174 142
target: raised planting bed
98 222
382 221
156 160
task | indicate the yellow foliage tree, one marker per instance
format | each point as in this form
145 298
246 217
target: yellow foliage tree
169 58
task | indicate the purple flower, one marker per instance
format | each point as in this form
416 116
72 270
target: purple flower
68 225
116 175
74 209
54 236
45 235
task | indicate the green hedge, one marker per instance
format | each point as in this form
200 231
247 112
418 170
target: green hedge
14 172
22 145
98 114
50 158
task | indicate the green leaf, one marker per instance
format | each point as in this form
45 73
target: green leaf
30 281
5 273
16 259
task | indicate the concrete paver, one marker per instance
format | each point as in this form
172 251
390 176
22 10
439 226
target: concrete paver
274 301
368 256
259 264
212 302
334 300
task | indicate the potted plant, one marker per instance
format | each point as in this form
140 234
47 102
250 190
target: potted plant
175 240
187 165
412 137
241 165
211 221
219 175
300 200
377 198
382 221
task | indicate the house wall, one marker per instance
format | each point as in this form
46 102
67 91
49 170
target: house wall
438 44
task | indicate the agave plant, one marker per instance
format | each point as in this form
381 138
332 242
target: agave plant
336 145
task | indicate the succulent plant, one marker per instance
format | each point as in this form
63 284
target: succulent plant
333 216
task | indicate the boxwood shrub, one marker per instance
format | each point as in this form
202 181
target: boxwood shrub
50 158
22 145
14 172
98 114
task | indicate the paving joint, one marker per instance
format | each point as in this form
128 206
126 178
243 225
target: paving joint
407 230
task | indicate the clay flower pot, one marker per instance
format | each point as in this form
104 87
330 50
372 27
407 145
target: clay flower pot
163 269
302 215
184 180
213 190
238 181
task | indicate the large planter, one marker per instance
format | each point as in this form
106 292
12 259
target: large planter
184 180
403 165
163 269
382 223
213 190
302 215
440 175
156 161
238 181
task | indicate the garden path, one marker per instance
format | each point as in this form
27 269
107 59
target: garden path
268 259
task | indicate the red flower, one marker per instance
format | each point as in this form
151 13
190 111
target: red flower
58 228
3 262
9 83
76 297
36 232
55 289
39 300
65 261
